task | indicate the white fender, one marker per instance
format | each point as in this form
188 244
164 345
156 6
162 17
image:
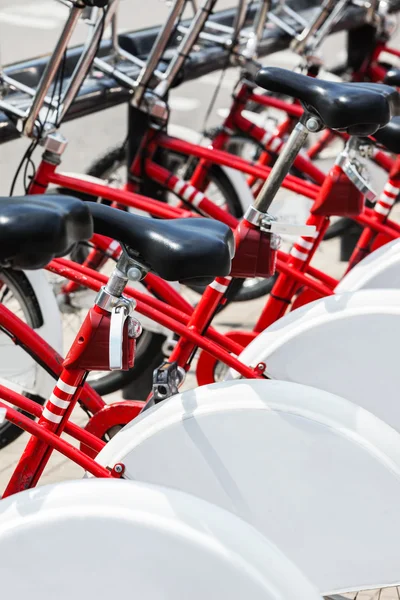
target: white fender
347 344
314 473
378 270
17 368
107 539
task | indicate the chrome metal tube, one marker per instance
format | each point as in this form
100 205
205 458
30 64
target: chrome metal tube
86 58
281 24
13 110
220 40
51 68
281 168
121 53
371 11
157 51
295 16
239 19
185 46
118 75
301 40
17 85
250 50
329 23
219 27
114 32
261 18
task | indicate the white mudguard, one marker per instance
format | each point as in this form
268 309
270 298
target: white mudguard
17 368
378 270
316 474
346 344
107 539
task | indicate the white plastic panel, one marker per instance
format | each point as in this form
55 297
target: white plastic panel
347 344
378 270
317 475
98 539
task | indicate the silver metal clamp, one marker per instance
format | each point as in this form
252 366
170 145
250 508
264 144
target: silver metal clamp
269 224
350 163
118 316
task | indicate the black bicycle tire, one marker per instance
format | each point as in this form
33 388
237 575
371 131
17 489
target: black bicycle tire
260 289
338 229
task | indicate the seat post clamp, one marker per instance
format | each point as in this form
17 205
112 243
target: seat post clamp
348 160
166 381
54 147
268 224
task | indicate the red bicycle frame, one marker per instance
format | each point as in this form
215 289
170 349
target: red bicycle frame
192 325
47 174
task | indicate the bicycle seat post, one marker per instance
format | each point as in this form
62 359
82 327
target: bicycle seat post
111 299
308 124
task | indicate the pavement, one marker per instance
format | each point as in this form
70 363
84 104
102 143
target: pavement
29 28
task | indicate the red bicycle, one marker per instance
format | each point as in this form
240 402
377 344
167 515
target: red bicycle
256 249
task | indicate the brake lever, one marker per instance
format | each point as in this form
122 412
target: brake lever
119 315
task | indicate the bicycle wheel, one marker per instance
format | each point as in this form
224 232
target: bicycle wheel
18 370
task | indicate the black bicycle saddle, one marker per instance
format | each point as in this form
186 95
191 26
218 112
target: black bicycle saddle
389 136
358 108
392 77
175 249
35 229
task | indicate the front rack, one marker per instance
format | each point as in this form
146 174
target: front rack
101 90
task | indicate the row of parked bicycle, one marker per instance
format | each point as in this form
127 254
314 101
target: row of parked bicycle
278 476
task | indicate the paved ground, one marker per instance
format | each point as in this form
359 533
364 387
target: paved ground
29 28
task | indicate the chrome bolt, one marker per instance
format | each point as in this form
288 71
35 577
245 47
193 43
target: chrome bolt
134 328
313 124
134 274
118 468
